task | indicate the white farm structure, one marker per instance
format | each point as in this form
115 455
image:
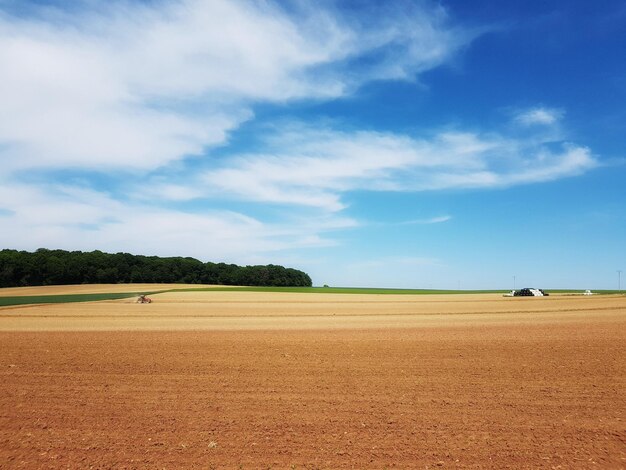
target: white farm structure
527 292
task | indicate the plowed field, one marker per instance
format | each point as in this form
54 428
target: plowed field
252 380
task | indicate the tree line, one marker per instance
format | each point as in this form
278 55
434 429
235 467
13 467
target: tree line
54 267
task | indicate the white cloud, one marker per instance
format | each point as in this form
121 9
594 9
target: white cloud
432 220
539 116
112 88
75 218
314 167
311 167
547 166
139 85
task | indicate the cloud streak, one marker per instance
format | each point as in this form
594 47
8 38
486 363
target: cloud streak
430 221
313 167
539 116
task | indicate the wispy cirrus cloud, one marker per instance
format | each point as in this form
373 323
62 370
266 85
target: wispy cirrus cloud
539 115
432 220
314 167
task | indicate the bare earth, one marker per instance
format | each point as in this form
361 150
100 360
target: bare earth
250 380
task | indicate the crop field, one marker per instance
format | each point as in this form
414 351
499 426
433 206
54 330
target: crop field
251 379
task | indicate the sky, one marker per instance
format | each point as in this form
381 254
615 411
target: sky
405 143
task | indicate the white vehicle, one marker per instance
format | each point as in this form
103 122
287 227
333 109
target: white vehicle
587 292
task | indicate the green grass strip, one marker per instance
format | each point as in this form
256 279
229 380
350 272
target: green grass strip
377 291
580 291
337 290
62 299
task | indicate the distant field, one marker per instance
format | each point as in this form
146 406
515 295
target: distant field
99 292
232 308
92 289
81 293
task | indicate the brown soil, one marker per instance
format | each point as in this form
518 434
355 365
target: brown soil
526 383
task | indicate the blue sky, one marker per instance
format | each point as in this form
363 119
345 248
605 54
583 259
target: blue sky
419 144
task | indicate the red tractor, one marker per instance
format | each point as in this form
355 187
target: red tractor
143 299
